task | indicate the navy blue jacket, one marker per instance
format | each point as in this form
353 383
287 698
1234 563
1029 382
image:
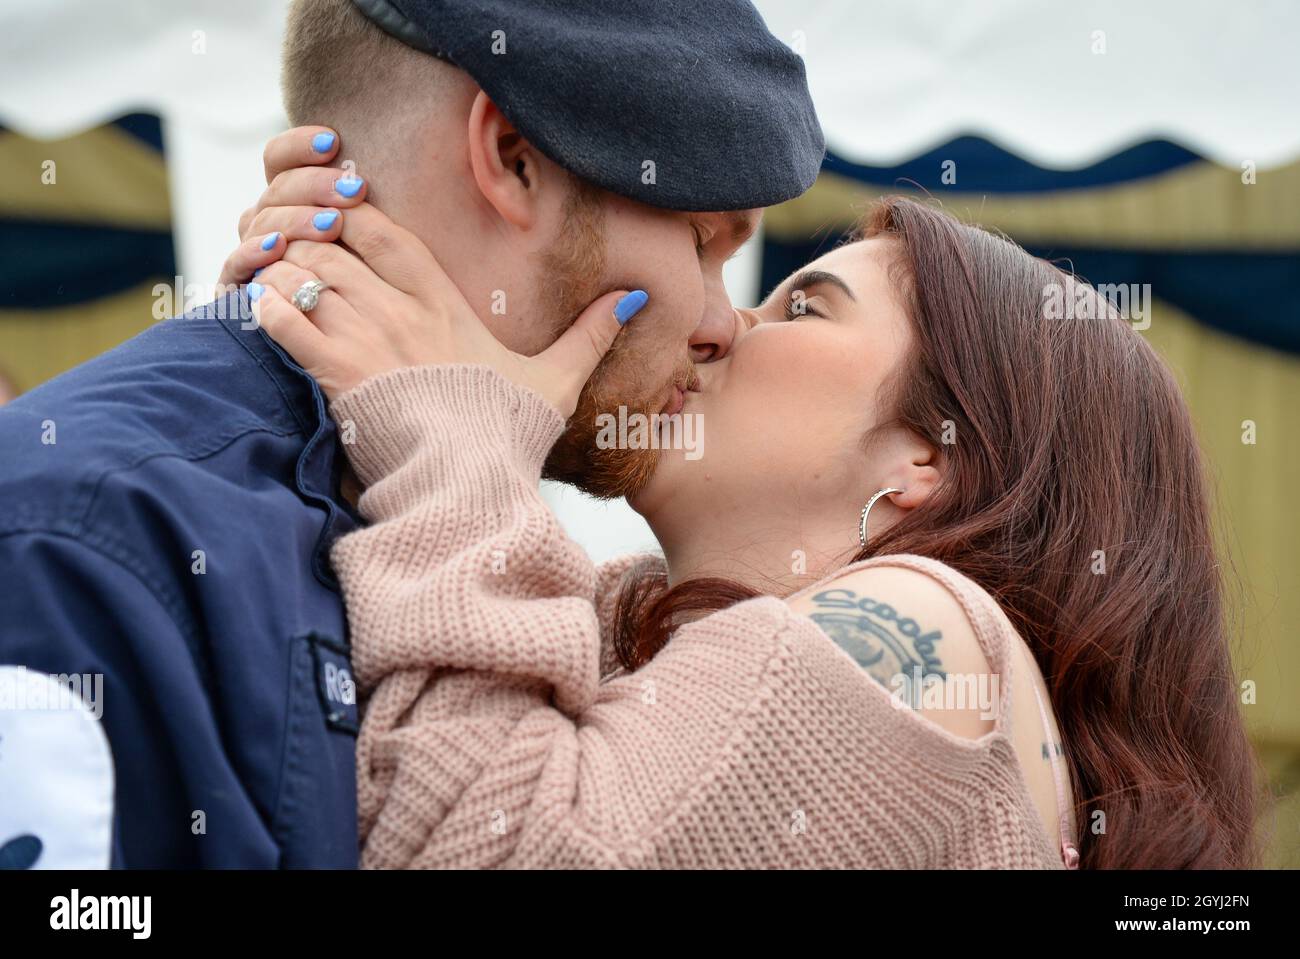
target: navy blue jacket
166 511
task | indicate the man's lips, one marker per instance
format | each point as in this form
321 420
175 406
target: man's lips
677 393
676 399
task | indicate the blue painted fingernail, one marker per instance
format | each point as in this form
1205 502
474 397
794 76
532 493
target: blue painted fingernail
270 241
323 221
348 186
255 290
630 305
322 142
258 271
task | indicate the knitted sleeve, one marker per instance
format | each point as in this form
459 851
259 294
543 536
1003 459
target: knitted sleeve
488 738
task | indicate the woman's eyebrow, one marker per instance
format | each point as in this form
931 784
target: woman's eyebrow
813 277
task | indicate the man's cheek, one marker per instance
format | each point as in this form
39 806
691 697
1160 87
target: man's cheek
670 317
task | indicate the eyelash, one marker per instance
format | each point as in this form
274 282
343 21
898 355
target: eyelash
791 315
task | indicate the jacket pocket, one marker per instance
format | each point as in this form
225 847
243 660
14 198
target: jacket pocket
316 813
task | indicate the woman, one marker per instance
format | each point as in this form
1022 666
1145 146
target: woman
1007 504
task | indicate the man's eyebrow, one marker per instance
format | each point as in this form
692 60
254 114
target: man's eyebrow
813 277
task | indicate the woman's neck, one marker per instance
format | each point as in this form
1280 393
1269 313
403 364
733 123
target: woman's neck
774 558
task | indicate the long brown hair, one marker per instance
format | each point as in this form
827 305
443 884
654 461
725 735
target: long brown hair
1075 493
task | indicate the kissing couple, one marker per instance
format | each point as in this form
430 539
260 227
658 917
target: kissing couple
876 634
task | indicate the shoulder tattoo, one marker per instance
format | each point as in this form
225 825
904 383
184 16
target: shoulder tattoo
883 641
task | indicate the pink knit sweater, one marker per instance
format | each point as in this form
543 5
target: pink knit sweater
497 733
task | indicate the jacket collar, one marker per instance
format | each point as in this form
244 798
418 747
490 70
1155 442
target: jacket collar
321 463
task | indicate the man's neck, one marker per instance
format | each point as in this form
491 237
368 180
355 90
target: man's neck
349 485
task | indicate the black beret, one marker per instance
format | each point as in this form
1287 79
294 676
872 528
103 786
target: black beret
698 88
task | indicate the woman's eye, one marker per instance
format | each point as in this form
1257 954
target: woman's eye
796 307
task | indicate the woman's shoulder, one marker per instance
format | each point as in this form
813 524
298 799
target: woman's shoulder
912 623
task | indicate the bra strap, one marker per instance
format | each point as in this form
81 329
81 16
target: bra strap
1069 851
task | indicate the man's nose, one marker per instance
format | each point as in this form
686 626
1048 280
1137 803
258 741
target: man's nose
713 337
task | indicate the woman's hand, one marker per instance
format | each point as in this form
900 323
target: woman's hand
390 305
304 200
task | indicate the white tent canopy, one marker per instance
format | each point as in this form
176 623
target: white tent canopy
1062 85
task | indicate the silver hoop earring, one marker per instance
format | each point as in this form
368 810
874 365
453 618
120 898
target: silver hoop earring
862 523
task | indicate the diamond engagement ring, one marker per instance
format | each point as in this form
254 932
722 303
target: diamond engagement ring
308 295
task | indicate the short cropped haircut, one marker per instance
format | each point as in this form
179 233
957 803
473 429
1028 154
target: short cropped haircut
341 70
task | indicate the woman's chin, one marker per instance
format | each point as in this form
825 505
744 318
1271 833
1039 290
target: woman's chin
648 498
670 481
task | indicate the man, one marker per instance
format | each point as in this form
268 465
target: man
168 507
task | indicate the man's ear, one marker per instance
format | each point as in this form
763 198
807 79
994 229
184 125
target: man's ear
507 168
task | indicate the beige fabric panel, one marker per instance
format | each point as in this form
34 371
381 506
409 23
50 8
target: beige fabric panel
36 345
102 177
1198 207
1228 382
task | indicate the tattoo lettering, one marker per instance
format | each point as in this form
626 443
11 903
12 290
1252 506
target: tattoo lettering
884 642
